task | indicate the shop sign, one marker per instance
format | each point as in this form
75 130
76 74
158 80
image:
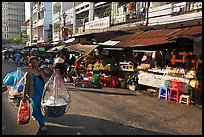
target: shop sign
98 24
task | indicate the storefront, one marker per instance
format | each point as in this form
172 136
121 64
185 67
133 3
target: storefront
178 47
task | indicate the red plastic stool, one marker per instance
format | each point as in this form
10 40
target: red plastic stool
185 99
172 96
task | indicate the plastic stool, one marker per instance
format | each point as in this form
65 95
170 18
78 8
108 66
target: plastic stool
163 92
171 94
184 99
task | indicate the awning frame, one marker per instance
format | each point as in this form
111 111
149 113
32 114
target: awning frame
82 49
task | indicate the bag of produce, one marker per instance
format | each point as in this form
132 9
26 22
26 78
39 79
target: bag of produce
23 113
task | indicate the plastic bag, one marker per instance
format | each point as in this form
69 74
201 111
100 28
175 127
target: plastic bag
55 99
12 78
96 78
9 79
16 92
23 113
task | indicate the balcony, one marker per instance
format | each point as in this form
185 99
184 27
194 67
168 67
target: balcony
34 10
41 22
40 39
35 23
56 17
57 4
175 13
56 36
35 37
41 6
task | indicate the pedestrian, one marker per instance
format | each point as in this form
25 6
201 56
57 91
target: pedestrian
59 63
17 58
77 66
34 85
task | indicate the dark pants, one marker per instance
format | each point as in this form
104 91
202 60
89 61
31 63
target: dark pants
77 70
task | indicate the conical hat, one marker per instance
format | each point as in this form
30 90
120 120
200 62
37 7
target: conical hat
59 60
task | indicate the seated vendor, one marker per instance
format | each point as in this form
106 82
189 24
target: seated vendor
148 60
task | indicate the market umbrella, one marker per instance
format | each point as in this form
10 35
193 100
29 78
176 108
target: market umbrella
3 51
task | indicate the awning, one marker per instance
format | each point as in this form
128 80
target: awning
26 22
83 49
69 40
156 37
188 32
56 49
55 43
33 46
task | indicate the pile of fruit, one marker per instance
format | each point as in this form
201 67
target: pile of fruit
132 80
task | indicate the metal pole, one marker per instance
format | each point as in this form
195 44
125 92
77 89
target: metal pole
31 23
74 18
64 16
60 23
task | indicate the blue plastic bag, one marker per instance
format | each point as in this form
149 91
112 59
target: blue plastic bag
9 78
12 78
17 76
20 88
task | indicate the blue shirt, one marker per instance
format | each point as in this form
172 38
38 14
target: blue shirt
17 56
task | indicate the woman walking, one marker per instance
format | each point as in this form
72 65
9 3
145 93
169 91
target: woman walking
34 84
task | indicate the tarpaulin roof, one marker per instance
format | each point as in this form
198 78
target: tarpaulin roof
83 49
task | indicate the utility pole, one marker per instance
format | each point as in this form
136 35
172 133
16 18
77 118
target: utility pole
31 23
147 14
64 15
74 18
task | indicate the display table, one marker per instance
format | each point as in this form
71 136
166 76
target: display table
155 79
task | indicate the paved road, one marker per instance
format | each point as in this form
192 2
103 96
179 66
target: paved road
111 111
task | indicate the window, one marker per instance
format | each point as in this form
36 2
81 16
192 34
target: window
77 10
86 6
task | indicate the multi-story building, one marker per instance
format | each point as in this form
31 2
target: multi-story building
13 16
71 19
95 17
41 22
62 19
174 14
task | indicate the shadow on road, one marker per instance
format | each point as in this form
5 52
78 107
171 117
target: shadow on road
102 91
73 124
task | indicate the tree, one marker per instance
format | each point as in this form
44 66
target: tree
22 37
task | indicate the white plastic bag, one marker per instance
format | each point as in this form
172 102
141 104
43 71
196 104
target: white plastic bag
56 98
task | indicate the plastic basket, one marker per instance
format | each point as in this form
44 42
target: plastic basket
55 111
54 108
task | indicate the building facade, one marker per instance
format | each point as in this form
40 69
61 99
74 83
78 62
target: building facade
70 19
174 14
13 16
40 22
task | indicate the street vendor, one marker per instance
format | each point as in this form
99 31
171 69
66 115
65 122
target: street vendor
77 66
148 60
